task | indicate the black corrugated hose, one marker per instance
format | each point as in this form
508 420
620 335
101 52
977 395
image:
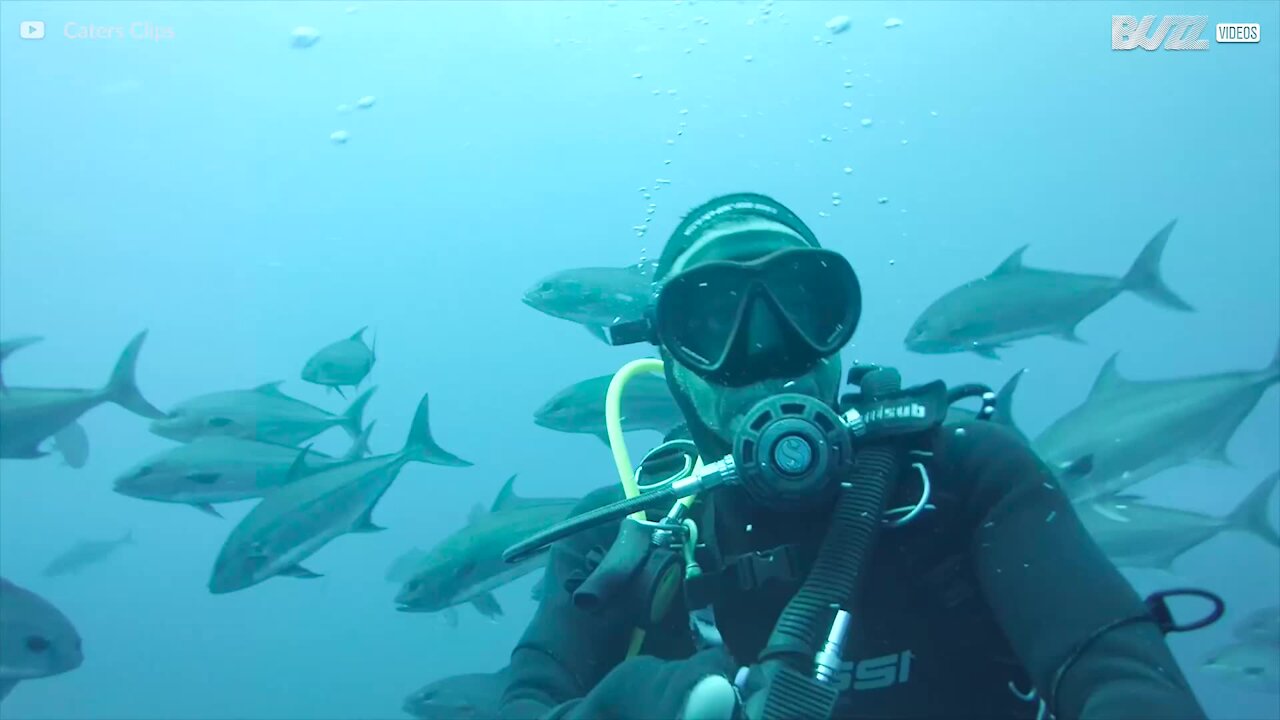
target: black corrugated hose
836 576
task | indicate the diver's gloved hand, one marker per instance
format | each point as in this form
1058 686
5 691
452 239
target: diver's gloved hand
646 687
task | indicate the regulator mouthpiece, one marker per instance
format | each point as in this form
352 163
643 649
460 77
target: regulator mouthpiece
791 451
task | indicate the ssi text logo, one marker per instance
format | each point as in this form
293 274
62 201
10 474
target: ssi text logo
875 673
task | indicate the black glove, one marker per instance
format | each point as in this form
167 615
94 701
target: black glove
644 688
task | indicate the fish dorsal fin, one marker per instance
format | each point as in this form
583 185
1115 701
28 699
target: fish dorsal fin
365 523
299 467
1011 264
1109 378
477 512
271 388
506 496
358 335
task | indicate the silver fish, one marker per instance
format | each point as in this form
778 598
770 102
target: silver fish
219 469
36 639
28 416
647 404
264 413
467 566
1133 429
85 553
1135 534
1253 665
1016 302
345 363
460 697
594 297
1262 625
302 516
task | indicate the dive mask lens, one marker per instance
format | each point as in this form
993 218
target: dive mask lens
818 291
698 313
788 308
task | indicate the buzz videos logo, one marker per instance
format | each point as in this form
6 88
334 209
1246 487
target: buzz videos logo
1176 32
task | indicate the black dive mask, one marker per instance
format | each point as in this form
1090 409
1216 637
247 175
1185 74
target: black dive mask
735 323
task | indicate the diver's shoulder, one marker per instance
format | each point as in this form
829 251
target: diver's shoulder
981 436
982 450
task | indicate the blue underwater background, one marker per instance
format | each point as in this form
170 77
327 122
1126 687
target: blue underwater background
189 187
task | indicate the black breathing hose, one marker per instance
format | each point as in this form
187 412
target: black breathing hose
960 392
663 497
836 577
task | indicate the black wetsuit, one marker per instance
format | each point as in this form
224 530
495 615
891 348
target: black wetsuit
996 592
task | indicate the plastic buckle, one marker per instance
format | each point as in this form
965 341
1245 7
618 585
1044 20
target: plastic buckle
758 568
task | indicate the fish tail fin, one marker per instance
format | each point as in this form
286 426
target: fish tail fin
421 446
1251 514
122 388
1144 276
353 419
360 447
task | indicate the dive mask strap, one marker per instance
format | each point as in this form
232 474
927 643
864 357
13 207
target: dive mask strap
633 332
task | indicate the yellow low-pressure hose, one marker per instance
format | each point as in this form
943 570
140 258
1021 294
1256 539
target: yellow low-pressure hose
622 458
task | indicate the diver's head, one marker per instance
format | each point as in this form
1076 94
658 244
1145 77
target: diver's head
749 306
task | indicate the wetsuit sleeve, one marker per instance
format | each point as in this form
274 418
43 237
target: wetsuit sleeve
1078 627
565 651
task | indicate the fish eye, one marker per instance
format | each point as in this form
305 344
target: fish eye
544 287
219 422
144 471
37 643
1253 671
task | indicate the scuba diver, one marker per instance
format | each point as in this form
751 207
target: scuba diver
842 556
